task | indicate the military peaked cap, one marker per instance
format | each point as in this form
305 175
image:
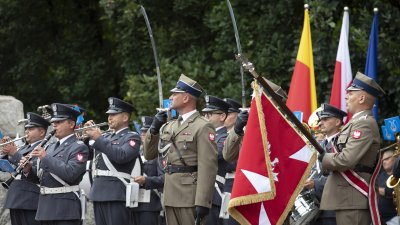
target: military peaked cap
328 111
185 84
63 112
35 120
367 84
118 106
234 106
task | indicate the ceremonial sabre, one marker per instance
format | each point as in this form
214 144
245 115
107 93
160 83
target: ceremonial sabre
153 45
239 48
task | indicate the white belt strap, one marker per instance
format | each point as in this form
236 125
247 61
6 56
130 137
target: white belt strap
217 188
108 173
220 179
230 175
111 168
65 185
18 177
58 190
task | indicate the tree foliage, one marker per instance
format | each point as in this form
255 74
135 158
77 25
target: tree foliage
85 51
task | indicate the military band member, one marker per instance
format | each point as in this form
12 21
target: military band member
23 194
216 111
330 122
153 180
60 169
191 163
358 147
115 156
386 203
233 112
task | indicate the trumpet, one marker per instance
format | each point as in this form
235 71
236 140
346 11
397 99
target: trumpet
12 141
91 126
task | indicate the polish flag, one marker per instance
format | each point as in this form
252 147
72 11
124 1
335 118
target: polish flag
342 77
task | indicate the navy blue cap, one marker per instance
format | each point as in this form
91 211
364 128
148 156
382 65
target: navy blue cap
118 106
234 106
367 84
63 112
35 120
185 84
328 111
146 122
215 104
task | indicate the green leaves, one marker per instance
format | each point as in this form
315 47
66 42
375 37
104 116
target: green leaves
85 51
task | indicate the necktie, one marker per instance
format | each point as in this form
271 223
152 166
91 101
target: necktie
180 119
57 145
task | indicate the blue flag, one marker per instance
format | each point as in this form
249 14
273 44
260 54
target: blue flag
371 65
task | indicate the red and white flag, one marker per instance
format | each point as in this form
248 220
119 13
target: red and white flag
273 164
342 77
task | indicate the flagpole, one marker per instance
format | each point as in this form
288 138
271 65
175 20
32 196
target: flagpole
250 67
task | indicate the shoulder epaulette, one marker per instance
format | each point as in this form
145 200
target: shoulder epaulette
80 142
363 117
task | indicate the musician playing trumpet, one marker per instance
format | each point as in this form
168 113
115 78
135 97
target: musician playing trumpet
114 158
23 194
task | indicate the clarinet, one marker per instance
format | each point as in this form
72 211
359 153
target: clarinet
6 184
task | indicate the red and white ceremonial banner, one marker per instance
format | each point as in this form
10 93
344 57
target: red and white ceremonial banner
273 164
342 77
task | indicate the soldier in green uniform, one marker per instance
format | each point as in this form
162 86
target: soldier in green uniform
191 156
358 147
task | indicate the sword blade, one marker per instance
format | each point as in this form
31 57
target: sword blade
153 45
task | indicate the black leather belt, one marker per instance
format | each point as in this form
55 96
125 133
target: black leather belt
180 169
363 169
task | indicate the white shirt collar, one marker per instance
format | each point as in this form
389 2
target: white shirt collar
31 144
65 138
218 128
329 139
120 130
356 114
187 115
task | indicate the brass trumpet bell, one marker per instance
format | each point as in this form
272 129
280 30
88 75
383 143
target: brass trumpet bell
392 182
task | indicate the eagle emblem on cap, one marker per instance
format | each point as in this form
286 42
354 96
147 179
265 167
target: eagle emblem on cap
28 116
143 120
54 106
207 99
110 101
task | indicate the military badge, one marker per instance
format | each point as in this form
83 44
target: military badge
79 157
211 136
132 143
54 106
356 134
